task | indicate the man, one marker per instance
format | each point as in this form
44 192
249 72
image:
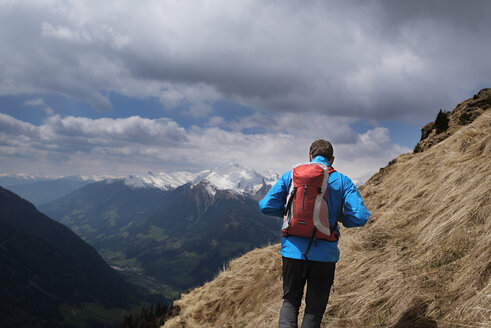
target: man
317 270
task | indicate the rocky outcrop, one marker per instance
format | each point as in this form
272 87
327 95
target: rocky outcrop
447 123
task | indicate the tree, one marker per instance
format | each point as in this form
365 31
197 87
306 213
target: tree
441 122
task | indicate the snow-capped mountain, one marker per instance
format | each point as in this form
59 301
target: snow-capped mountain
161 181
211 215
233 177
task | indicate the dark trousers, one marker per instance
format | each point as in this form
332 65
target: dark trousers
319 277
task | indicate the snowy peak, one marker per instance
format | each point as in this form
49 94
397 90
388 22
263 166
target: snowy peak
161 181
233 177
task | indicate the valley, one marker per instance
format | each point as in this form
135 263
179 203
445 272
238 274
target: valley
167 237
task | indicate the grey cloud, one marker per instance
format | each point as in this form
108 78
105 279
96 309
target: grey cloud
36 62
71 135
307 125
357 59
133 130
461 14
10 126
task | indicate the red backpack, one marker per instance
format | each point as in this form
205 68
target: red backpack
306 212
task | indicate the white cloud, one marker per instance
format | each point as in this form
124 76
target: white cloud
371 151
39 103
194 100
72 145
35 102
216 121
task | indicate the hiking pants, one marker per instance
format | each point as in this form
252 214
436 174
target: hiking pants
319 277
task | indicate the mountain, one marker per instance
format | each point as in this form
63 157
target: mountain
17 179
165 235
423 260
163 181
50 277
232 177
235 178
195 234
44 191
101 209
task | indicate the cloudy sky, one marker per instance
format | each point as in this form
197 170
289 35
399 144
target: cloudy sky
120 87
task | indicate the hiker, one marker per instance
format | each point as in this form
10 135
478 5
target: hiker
310 250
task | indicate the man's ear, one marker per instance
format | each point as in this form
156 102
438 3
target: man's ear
310 158
332 160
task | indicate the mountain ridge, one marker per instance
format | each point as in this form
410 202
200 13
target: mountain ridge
49 275
232 176
46 190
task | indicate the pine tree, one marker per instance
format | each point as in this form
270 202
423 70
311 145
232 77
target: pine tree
441 122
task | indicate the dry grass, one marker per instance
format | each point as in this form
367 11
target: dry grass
427 249
247 294
424 259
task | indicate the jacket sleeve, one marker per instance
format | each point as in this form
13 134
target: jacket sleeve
274 202
355 214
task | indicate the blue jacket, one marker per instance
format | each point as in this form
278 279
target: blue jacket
340 193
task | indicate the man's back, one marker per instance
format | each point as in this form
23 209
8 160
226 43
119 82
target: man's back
341 193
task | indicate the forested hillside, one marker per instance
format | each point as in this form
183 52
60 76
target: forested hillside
50 277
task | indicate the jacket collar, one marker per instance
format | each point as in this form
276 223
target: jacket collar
321 159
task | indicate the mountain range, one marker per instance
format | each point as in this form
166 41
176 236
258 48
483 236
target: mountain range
232 177
43 190
170 232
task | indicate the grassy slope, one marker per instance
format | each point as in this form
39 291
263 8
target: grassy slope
424 259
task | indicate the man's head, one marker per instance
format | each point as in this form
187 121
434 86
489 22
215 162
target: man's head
323 148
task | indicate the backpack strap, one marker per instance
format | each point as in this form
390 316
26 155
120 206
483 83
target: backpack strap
310 244
290 200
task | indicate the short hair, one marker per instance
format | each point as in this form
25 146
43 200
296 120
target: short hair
321 147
